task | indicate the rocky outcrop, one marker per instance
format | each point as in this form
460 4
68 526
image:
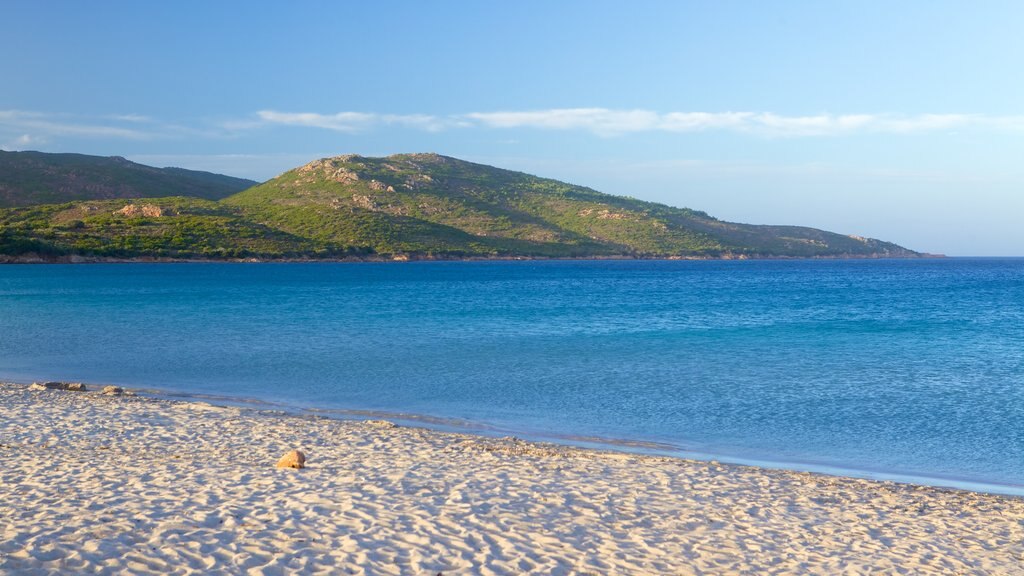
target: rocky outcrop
380 186
332 169
143 210
112 391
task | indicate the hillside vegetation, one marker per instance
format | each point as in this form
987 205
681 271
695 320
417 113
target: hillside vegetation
406 206
29 178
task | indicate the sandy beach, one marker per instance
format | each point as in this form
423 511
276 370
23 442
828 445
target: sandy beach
129 484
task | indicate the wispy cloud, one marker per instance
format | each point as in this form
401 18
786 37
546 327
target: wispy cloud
21 128
38 125
599 120
609 122
352 121
612 122
135 118
23 142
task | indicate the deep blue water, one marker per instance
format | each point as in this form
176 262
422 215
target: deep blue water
905 366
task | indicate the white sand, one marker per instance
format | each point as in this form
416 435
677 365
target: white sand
93 484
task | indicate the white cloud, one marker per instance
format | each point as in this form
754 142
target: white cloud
37 127
600 120
40 124
350 121
28 140
136 118
610 122
342 121
605 121
693 121
24 142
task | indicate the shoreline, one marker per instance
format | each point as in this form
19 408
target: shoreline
629 446
108 484
33 258
634 446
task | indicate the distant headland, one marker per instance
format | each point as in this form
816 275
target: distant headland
77 208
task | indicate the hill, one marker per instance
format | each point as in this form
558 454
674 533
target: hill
427 203
30 178
408 206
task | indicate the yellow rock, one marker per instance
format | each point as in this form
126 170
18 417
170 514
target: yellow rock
293 459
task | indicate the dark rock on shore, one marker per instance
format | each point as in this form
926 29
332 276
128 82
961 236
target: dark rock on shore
66 386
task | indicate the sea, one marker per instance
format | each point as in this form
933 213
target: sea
903 370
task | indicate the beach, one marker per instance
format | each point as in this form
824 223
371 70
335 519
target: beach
133 484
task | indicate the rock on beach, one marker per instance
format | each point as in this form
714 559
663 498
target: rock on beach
67 386
293 459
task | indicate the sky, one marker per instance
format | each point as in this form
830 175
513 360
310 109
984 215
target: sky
902 121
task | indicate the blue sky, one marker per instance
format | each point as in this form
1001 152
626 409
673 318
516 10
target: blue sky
896 120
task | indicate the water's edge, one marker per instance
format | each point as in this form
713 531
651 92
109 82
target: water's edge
623 445
32 258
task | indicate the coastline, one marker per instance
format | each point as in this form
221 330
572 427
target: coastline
632 446
623 445
107 484
33 258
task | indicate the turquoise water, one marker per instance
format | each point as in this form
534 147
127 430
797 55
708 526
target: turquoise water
911 367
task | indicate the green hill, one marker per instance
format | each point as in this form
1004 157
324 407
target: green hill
407 205
426 203
30 178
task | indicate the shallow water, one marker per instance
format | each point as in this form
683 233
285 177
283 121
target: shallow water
904 366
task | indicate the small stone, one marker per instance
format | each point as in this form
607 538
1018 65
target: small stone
112 391
75 387
293 459
37 386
